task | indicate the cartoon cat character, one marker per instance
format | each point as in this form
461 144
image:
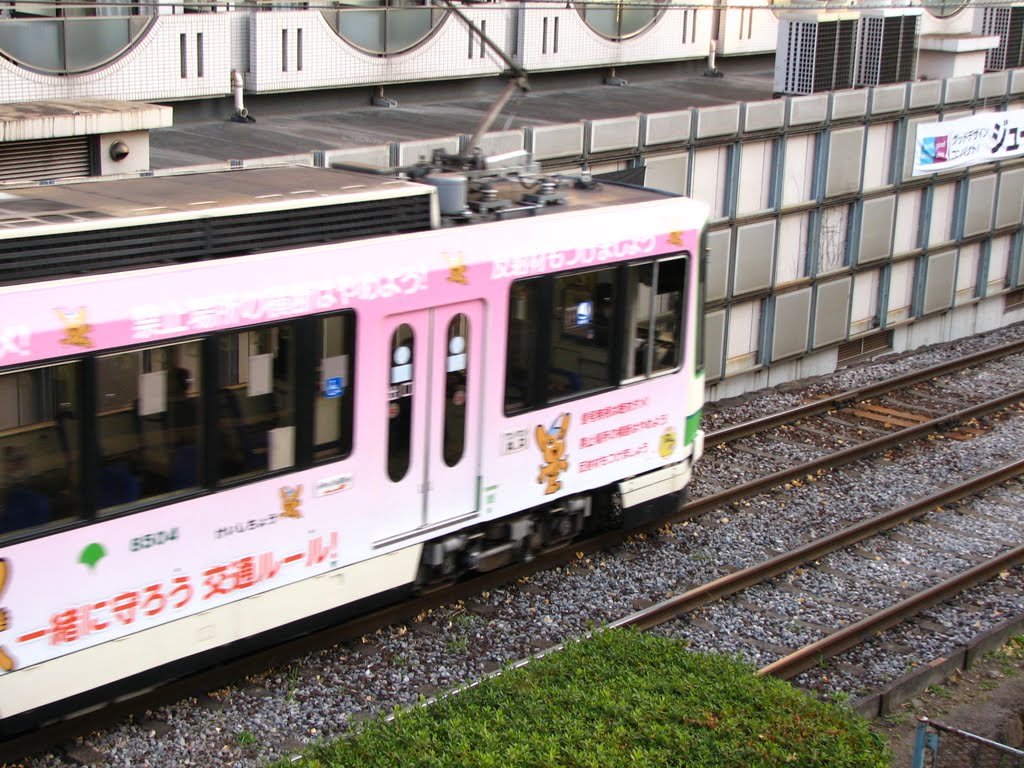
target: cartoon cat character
552 448
291 500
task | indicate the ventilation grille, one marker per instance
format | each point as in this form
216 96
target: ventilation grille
64 158
819 56
815 56
24 259
1008 25
1013 300
865 347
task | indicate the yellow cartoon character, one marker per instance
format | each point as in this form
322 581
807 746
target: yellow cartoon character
76 329
291 499
457 269
552 448
6 662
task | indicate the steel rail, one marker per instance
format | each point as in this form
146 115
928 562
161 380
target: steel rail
832 402
810 655
674 607
845 456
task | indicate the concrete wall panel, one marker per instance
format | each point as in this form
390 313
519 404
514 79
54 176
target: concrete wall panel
940 274
992 84
714 343
845 160
718 121
876 222
926 93
668 173
764 115
831 310
666 127
888 98
792 317
547 141
1010 202
981 194
846 104
808 110
614 133
719 245
959 89
755 254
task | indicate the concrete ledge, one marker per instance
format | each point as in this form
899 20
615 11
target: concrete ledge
849 103
613 133
549 141
30 120
905 688
959 89
666 127
805 110
888 98
764 115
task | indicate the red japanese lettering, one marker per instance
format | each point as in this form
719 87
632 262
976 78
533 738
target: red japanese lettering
125 606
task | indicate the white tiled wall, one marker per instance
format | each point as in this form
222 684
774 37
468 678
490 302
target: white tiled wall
329 61
251 42
747 29
151 70
579 46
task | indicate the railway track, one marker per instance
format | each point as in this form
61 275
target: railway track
834 643
844 406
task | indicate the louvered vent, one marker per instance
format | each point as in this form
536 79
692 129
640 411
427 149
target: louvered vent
887 49
815 55
65 158
864 348
23 259
1013 300
1008 25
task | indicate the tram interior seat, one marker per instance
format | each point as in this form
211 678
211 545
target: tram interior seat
117 485
24 508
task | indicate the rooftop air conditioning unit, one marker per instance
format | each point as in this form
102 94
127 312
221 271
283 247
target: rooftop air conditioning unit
887 46
1008 24
815 51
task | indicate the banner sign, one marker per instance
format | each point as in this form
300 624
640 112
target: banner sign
972 140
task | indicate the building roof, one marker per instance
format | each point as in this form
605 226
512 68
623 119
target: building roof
298 128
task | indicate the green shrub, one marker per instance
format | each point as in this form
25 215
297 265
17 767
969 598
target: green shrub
618 699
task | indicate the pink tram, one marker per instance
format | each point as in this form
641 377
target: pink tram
237 405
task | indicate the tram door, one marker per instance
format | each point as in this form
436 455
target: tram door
434 391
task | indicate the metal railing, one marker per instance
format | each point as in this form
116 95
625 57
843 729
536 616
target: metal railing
942 746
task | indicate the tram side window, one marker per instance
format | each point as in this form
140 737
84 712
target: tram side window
456 365
521 353
39 457
582 333
332 417
256 401
148 421
654 317
400 386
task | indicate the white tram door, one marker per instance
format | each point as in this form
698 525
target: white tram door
434 392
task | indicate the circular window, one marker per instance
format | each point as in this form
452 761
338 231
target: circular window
619 19
943 9
64 45
385 27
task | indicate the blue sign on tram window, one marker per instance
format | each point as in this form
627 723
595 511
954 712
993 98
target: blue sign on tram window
334 387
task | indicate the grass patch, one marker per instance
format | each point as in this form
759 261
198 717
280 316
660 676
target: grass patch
618 699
